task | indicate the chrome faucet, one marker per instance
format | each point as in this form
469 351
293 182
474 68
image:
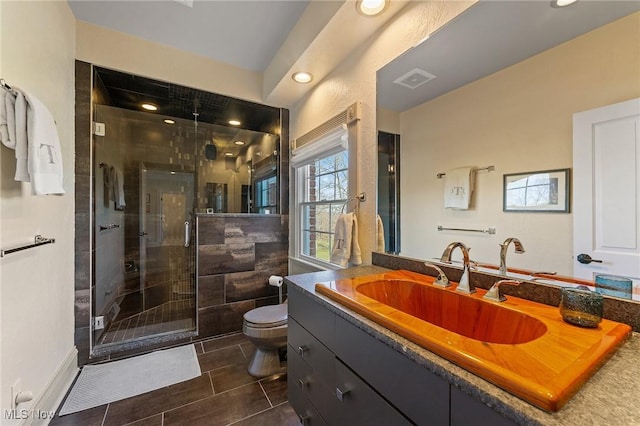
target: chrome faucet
494 292
441 279
464 286
503 252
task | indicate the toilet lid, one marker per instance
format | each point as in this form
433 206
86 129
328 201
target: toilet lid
267 316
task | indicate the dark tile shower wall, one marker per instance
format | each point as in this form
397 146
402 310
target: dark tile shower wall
222 297
236 256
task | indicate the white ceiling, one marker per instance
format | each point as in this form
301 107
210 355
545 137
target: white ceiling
243 33
486 38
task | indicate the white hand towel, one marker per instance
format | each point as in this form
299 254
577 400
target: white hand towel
4 124
380 245
44 154
21 110
356 254
458 187
341 241
345 241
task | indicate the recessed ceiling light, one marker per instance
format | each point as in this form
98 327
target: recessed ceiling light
371 7
169 121
228 154
302 77
239 143
150 107
562 3
173 172
234 122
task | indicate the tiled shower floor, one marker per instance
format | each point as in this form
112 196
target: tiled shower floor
224 394
168 317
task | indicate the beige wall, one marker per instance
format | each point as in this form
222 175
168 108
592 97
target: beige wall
355 80
36 305
115 50
519 119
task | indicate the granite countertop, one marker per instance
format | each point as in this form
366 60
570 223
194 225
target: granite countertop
609 397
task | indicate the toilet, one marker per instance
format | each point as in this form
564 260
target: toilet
266 328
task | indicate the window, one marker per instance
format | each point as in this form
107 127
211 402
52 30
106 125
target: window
266 195
321 170
324 193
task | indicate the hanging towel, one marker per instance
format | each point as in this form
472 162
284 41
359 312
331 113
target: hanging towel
13 129
345 241
5 97
458 187
21 136
380 245
44 153
118 189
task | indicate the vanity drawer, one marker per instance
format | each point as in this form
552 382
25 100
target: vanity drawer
361 405
421 395
309 349
307 413
311 384
317 319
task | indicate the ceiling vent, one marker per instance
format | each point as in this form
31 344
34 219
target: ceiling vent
414 78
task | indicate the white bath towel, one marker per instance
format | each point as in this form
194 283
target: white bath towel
21 111
458 187
346 248
5 97
44 153
380 245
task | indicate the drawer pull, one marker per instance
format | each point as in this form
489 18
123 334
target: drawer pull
304 419
302 349
342 393
303 383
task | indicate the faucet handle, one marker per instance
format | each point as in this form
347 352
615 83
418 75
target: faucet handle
441 280
494 292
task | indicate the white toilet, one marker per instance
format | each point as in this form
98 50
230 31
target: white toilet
266 328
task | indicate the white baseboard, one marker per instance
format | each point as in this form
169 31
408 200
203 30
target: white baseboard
47 402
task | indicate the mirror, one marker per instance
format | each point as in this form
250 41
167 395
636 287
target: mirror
498 86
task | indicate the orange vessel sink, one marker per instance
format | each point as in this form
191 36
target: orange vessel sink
521 346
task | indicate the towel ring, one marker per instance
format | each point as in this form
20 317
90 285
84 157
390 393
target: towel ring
359 198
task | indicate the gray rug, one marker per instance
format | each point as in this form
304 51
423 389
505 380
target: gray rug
104 383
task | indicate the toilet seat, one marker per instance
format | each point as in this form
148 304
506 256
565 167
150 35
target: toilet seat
267 316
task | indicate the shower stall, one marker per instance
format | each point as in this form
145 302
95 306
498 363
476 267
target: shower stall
152 172
144 204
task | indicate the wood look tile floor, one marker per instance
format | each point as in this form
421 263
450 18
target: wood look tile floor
225 394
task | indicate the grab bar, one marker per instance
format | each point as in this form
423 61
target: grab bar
38 240
187 233
489 231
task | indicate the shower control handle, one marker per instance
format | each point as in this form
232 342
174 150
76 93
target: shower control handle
187 233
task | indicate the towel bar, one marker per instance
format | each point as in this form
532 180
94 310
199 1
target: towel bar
490 231
484 169
112 226
38 240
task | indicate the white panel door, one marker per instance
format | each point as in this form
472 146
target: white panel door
606 181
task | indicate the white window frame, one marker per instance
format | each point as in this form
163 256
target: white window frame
336 140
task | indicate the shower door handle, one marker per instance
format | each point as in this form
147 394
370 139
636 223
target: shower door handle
187 233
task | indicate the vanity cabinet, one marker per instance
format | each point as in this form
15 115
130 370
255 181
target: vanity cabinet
340 375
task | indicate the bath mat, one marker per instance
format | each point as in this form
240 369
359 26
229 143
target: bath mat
104 383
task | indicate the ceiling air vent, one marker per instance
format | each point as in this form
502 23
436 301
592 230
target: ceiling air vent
414 78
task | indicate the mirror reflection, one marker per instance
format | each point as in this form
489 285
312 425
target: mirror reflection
471 96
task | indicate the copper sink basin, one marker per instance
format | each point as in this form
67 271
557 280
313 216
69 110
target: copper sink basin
467 316
521 346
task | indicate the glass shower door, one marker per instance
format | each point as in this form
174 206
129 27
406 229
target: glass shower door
144 266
